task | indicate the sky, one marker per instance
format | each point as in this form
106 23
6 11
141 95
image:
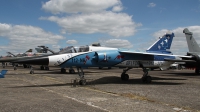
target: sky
127 24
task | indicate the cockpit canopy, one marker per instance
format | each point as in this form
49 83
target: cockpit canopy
72 49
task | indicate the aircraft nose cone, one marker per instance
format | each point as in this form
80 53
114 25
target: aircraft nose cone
34 61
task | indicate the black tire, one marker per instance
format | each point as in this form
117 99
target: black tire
71 71
63 70
42 67
125 77
31 72
46 68
147 79
82 82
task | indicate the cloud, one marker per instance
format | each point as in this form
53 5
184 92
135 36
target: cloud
71 42
23 37
114 24
76 6
90 16
117 43
56 46
151 5
179 44
117 8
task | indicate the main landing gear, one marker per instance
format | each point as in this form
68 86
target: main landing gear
63 70
44 67
71 70
125 76
3 65
81 75
15 66
145 78
31 70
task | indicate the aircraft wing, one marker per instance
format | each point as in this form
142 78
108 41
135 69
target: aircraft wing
144 53
179 58
157 54
175 60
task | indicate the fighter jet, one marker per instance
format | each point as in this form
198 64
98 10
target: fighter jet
13 57
194 52
88 57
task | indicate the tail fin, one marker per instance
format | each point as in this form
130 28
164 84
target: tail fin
162 45
192 44
30 50
11 54
3 72
46 48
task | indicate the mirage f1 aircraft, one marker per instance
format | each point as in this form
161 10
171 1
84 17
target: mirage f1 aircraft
194 52
87 57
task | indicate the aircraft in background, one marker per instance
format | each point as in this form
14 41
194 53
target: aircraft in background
13 57
194 52
87 57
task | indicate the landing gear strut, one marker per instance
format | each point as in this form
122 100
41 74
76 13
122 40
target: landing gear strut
3 64
81 75
15 66
31 70
146 78
125 76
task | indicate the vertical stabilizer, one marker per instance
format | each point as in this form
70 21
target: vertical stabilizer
162 45
192 44
30 50
9 53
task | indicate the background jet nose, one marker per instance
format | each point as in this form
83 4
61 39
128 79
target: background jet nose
34 61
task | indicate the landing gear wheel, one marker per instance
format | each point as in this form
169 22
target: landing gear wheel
109 67
46 68
31 72
125 77
63 70
82 82
42 67
100 67
146 79
15 68
71 71
25 66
